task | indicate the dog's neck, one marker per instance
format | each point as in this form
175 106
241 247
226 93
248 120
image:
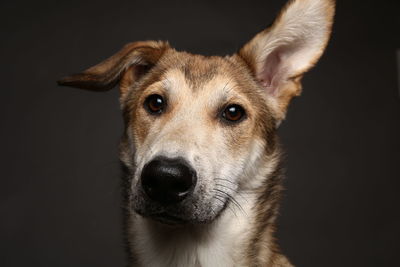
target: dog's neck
216 244
241 236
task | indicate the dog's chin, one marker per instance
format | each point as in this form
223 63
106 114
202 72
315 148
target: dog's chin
175 220
165 218
180 216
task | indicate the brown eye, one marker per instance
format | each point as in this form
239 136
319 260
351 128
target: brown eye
154 104
233 113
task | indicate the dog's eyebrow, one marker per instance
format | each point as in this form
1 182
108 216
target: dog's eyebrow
166 84
227 89
225 93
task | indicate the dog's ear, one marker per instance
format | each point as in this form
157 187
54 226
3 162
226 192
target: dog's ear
125 67
282 53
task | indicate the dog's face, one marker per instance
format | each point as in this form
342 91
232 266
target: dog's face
199 129
202 114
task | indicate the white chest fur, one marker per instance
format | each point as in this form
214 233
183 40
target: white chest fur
220 244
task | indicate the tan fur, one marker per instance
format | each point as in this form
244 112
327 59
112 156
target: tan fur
240 160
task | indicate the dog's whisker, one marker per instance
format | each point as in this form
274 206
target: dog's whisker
248 191
226 187
239 194
226 180
232 199
236 203
234 184
223 201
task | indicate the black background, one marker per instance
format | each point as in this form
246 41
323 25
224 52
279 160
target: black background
60 188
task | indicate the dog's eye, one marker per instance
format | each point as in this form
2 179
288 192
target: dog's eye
154 104
233 113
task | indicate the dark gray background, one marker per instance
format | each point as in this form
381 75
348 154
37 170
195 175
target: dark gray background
60 187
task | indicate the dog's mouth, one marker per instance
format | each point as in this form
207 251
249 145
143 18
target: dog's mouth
173 218
191 211
164 218
167 218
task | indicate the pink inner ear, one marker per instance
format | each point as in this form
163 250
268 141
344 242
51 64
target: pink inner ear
272 72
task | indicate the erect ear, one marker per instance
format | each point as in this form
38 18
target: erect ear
281 54
125 67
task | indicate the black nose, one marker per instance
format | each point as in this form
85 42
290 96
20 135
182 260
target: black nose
168 181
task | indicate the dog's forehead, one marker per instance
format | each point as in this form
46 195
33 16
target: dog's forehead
196 71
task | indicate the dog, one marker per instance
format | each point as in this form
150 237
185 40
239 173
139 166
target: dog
200 147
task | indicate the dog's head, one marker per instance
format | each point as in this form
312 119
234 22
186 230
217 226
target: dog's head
201 129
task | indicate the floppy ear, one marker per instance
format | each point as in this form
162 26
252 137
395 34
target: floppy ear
126 66
281 54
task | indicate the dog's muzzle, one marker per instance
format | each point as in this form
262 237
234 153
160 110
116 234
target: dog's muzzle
168 181
168 190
